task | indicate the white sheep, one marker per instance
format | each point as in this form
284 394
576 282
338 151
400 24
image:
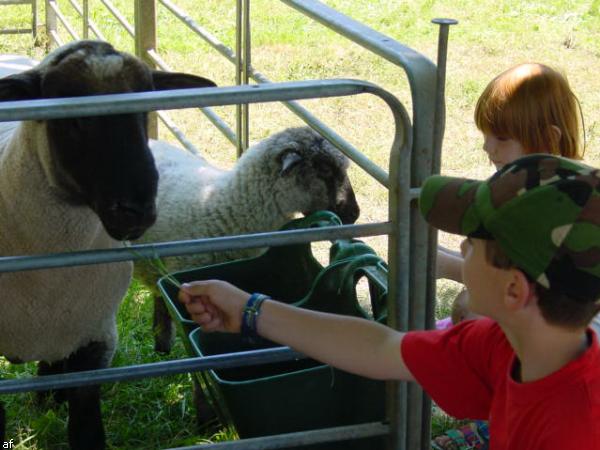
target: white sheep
67 185
291 172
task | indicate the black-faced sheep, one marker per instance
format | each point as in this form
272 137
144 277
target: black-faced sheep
294 171
66 185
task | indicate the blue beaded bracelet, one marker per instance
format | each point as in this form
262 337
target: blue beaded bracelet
250 314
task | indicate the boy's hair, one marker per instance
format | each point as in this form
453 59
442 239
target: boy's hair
556 308
524 103
543 211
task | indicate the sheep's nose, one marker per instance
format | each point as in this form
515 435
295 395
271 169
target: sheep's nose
128 220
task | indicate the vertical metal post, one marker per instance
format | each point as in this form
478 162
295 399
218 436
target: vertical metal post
438 135
440 96
34 18
242 66
246 75
50 22
86 19
145 39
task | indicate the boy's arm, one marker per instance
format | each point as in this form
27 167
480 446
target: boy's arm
352 344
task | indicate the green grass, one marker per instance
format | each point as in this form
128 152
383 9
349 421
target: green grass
490 37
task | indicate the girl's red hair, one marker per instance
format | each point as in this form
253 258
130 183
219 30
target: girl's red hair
524 103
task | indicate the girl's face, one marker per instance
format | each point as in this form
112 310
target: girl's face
501 150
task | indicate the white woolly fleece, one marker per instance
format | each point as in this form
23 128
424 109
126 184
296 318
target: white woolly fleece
196 199
48 314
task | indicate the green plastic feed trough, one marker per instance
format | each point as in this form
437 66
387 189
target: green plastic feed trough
302 394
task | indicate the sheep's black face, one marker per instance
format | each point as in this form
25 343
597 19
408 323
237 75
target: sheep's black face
103 162
106 164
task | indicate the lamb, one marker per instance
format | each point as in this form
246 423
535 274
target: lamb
293 171
67 185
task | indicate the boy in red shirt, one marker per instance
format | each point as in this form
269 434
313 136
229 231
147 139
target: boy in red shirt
532 265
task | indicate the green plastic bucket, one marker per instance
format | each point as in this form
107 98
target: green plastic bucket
300 395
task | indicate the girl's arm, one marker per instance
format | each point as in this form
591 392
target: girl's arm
449 264
352 344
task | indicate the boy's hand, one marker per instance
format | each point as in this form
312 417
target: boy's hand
214 305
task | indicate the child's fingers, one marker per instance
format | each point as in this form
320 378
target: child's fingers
213 325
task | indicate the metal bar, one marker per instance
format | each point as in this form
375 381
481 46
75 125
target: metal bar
245 71
208 112
87 23
63 20
15 2
120 18
181 137
189 247
438 134
398 301
352 152
239 148
299 439
199 30
56 38
158 369
16 31
186 98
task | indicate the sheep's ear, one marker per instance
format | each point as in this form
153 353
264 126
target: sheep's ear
20 86
174 80
289 160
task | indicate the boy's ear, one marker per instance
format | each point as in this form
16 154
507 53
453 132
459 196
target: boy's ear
519 290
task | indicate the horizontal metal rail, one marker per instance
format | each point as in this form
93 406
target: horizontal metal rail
16 31
300 438
189 247
149 370
189 98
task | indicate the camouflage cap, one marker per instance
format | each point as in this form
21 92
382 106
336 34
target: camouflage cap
544 212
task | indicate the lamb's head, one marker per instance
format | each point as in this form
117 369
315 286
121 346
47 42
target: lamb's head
312 174
103 162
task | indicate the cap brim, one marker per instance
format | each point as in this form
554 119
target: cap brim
448 204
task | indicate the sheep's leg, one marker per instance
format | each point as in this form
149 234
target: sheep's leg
164 334
205 414
54 368
85 428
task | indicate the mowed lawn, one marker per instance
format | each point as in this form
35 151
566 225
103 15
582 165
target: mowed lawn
490 37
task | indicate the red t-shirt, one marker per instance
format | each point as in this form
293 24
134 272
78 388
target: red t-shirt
467 371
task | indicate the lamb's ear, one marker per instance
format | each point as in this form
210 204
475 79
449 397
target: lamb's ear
175 80
289 159
20 86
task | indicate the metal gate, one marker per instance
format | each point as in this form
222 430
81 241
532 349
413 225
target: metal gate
414 155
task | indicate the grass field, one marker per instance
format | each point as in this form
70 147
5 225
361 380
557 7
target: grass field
490 37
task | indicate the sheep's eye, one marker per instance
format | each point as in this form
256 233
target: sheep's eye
325 171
